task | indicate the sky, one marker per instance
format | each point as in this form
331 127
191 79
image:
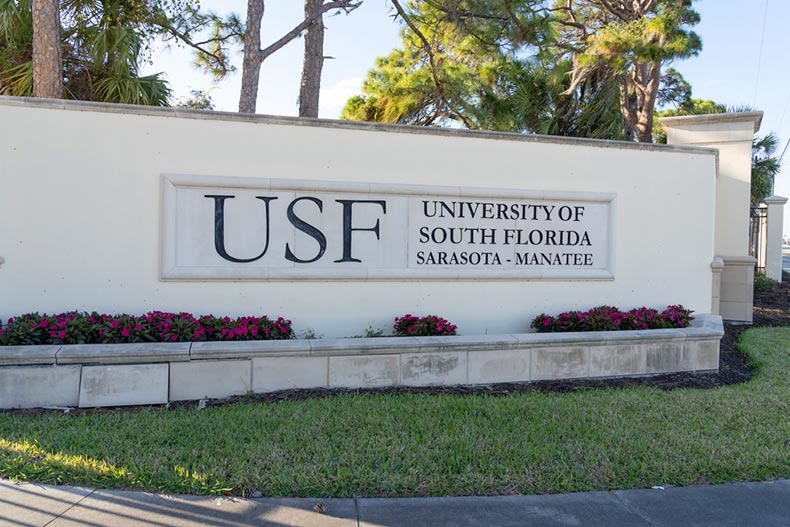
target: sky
744 61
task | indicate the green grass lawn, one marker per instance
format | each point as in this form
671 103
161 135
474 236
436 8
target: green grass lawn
378 445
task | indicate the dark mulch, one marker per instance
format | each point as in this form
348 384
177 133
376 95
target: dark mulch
771 308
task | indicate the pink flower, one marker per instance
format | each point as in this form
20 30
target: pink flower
44 323
115 323
125 332
62 334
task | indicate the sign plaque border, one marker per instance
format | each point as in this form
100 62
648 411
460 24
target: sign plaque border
170 271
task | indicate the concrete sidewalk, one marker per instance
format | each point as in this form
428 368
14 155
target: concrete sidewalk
740 504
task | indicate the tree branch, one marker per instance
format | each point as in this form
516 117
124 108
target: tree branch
428 51
183 37
346 5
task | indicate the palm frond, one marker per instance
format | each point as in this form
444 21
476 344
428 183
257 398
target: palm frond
150 90
17 81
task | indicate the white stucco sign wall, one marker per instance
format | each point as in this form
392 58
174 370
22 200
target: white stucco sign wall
105 207
231 228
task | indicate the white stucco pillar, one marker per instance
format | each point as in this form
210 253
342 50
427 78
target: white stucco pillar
731 134
773 239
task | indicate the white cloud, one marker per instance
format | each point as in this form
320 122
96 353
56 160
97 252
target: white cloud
334 97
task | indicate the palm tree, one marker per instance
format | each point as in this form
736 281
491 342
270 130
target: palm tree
765 166
102 46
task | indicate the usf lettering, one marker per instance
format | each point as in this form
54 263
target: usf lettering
299 224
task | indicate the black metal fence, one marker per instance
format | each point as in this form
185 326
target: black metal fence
758 227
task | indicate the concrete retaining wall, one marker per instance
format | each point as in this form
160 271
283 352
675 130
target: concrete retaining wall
139 374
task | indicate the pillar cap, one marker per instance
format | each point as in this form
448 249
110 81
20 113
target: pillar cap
712 118
775 200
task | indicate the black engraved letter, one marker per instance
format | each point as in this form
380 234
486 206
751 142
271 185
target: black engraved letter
348 229
219 228
306 228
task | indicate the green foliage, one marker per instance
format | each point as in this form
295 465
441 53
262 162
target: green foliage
661 34
104 42
198 100
483 76
370 332
765 166
102 47
16 47
430 325
309 334
212 55
673 89
609 318
627 43
156 326
762 283
461 63
515 65
688 107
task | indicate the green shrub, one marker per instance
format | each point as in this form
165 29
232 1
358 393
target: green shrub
762 283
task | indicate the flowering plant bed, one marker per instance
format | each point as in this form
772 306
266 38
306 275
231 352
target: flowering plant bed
427 326
608 318
156 326
141 373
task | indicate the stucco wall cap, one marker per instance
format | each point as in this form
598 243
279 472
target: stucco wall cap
208 115
712 118
775 200
739 260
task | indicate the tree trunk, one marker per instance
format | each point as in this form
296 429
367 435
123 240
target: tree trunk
251 65
254 55
313 62
47 62
627 107
649 77
638 92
